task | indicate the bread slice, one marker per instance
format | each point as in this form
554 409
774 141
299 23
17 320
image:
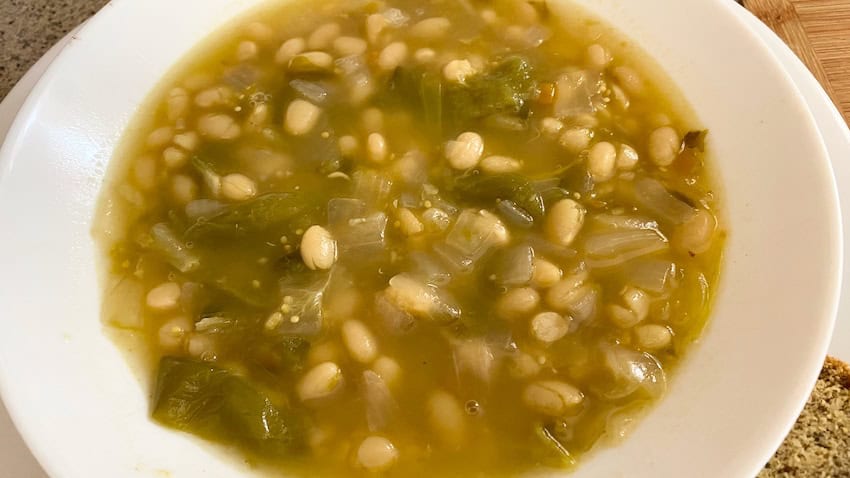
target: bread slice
819 443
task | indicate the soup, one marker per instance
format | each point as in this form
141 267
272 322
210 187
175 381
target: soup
419 238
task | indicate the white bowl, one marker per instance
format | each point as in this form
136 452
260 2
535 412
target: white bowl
84 413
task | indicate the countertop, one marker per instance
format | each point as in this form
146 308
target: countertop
28 28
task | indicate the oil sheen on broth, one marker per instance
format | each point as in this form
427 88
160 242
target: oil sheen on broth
423 238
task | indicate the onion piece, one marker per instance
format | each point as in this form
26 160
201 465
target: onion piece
166 242
613 221
614 248
395 320
633 372
514 267
381 408
311 91
651 195
653 275
514 214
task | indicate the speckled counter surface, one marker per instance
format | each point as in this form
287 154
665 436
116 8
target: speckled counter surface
818 446
28 28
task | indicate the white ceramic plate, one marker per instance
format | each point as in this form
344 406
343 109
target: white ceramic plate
127 452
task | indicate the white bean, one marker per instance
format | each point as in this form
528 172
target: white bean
517 303
144 172
629 80
238 187
457 71
622 317
160 137
323 37
174 158
247 50
500 165
431 28
409 224
260 32
563 295
177 104
465 151
321 381
447 418
376 148
164 297
576 139
597 56
564 221
188 141
653 336
347 46
375 25
359 341
551 397
388 369
523 366
551 126
219 127
311 62
289 49
173 333
201 346
318 248
602 161
664 144
695 235
184 189
545 274
637 301
549 327
392 56
301 117
376 454
627 158
215 96
424 55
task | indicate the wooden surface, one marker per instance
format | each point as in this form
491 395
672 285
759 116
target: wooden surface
819 33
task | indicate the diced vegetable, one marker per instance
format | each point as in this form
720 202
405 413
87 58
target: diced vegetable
214 403
491 188
264 213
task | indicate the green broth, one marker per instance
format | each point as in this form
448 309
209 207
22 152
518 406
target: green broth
482 310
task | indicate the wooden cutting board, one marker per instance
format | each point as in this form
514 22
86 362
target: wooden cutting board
819 33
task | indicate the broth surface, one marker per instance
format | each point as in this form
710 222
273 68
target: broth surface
418 238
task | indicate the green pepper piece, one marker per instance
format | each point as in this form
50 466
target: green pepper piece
504 89
215 404
256 215
492 188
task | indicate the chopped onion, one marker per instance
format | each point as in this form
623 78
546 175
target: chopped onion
514 267
614 248
575 91
363 233
174 250
473 235
653 275
614 221
395 17
311 91
473 360
633 372
381 408
373 187
341 210
395 320
429 268
651 195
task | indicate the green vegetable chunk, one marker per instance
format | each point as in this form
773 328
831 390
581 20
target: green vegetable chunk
260 214
215 404
504 89
513 187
